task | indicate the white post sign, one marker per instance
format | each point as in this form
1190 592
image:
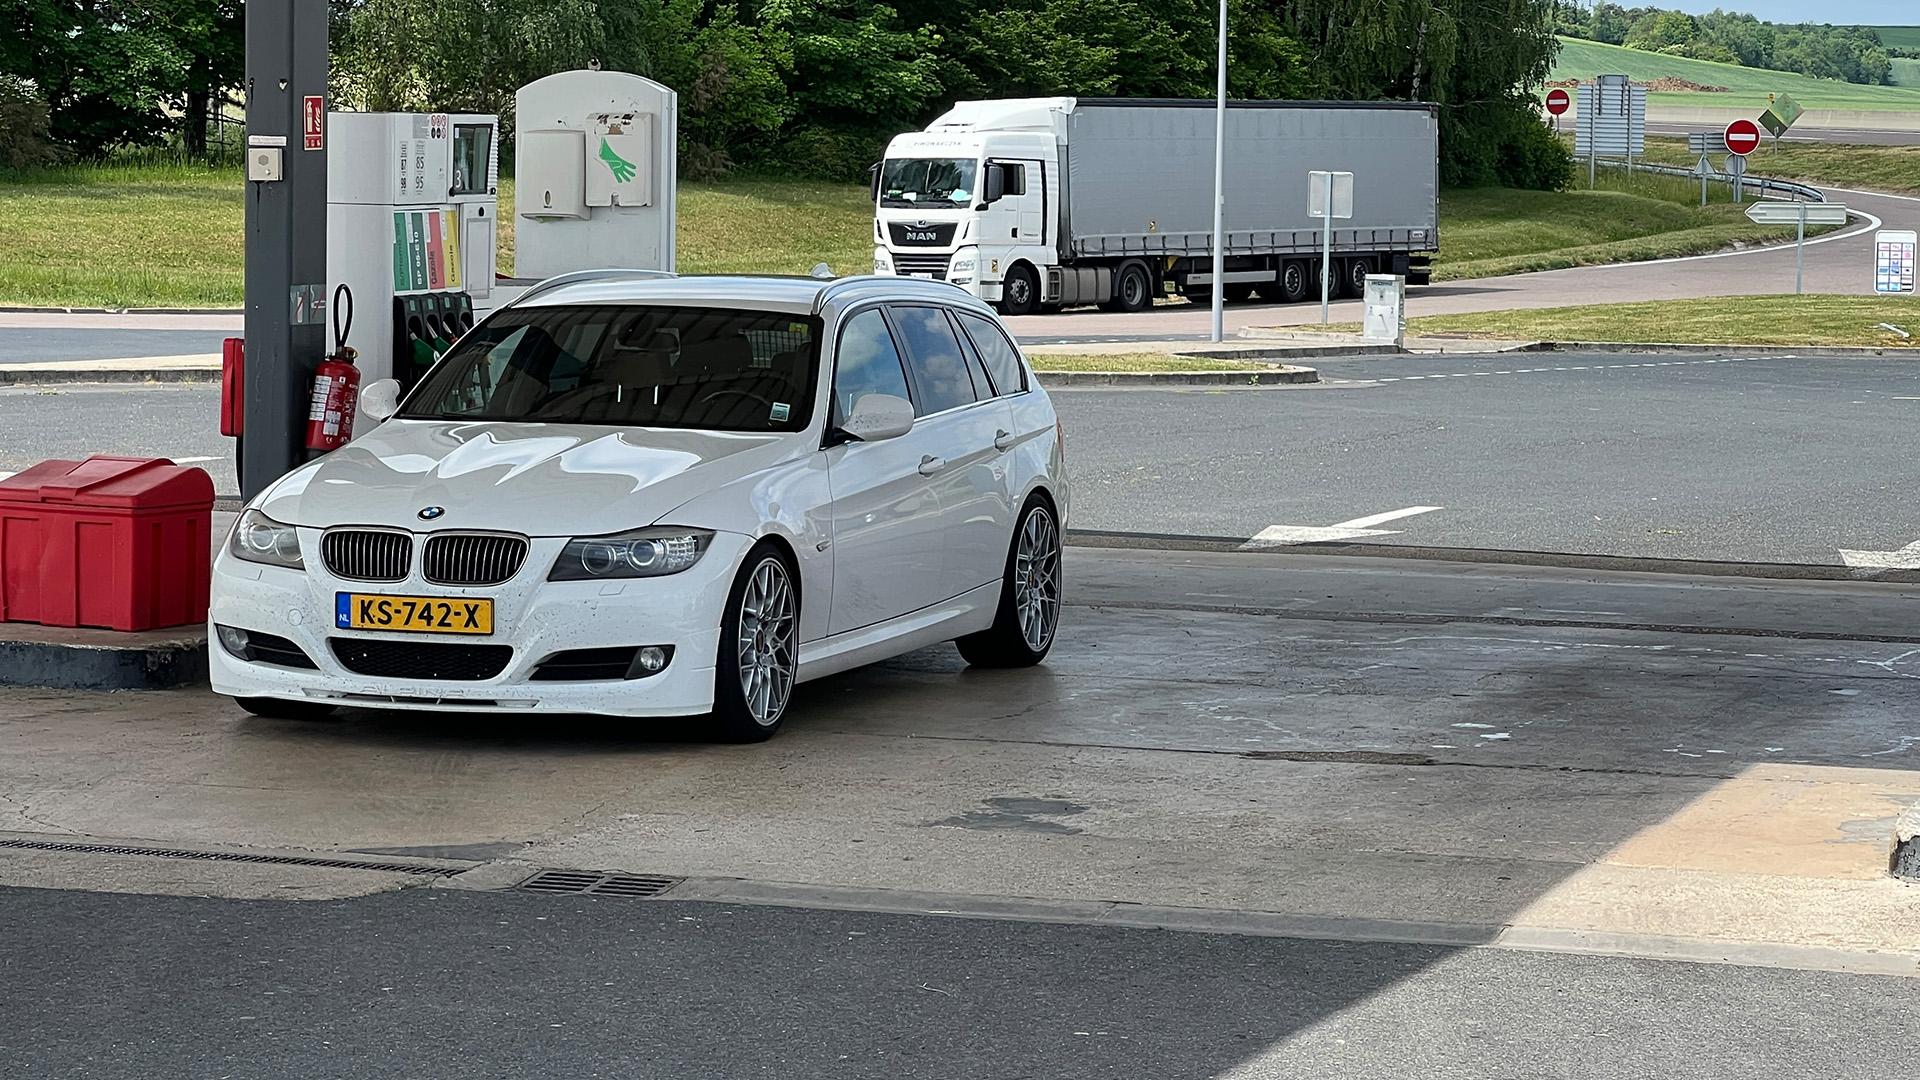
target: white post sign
1799 215
1329 196
1893 252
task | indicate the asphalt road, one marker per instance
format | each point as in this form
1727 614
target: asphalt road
1722 458
507 985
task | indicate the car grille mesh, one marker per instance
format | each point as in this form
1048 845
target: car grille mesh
421 659
472 558
905 263
367 555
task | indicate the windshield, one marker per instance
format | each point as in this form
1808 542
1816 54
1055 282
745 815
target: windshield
926 182
719 369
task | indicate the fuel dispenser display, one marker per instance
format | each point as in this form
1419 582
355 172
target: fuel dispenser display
412 205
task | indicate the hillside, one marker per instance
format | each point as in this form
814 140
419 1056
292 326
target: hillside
1748 87
1899 37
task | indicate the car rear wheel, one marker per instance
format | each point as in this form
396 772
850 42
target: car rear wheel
279 709
759 650
1029 613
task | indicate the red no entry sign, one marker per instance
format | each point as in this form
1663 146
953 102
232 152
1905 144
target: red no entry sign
1558 101
1743 137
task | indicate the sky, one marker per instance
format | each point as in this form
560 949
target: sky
1838 12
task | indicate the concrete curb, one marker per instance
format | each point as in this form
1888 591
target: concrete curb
1280 375
59 658
70 376
1098 538
13 310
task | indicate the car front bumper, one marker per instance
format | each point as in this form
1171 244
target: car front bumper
537 618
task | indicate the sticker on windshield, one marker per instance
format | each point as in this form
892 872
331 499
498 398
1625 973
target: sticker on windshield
780 411
797 328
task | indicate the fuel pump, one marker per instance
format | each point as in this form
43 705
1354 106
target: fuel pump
336 383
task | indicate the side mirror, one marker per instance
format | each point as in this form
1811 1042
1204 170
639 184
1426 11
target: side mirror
873 179
878 416
380 399
996 183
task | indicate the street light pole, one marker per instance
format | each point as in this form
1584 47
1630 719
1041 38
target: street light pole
1220 186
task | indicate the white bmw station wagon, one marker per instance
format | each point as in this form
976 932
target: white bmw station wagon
641 495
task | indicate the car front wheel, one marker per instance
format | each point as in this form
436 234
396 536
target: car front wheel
759 650
1029 612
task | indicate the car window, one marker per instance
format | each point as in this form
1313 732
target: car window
868 363
982 385
722 369
939 368
1003 360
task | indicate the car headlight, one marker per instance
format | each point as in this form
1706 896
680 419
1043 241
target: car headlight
963 264
258 538
643 553
882 263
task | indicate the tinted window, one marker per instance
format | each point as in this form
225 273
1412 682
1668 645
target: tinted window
868 363
1016 178
939 368
1003 360
715 368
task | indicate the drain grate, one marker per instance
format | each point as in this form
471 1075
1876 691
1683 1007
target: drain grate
597 882
229 856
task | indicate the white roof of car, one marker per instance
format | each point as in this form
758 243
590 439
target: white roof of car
799 295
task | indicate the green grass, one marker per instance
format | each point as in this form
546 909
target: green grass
1898 37
1485 232
1748 87
1135 362
1737 320
169 235
1875 168
1906 71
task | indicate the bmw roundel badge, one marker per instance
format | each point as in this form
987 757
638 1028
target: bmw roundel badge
429 513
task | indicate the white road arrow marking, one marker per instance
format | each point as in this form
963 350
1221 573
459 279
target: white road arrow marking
1282 535
1875 563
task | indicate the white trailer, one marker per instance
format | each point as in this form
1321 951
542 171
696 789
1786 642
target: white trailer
1037 203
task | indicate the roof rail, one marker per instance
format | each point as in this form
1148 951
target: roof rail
575 277
852 281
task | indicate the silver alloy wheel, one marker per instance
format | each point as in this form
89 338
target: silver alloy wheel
766 645
1036 579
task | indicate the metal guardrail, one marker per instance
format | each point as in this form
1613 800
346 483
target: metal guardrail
1784 188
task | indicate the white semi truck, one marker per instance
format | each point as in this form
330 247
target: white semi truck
1038 203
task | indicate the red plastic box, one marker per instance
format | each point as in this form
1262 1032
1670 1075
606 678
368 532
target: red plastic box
114 542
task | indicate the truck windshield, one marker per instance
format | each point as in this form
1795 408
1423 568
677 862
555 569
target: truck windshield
717 369
927 182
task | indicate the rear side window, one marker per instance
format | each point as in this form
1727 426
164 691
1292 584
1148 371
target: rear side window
868 363
1002 359
939 367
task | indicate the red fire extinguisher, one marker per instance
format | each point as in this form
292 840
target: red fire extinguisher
336 384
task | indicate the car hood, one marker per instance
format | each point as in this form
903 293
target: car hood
536 479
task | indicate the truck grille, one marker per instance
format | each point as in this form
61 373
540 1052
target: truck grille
906 265
472 558
367 555
421 659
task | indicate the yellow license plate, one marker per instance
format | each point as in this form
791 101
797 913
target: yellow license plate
413 614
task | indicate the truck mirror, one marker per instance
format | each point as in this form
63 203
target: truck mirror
996 184
873 180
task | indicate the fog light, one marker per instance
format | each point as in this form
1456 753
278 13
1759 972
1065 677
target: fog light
650 660
233 639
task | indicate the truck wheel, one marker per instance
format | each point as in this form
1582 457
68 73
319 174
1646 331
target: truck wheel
1238 292
1292 285
1353 283
1132 289
1020 291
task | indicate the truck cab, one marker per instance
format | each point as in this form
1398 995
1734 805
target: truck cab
974 200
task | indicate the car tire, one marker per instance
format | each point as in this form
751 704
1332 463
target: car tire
1027 619
1020 291
1132 288
1353 278
281 709
759 661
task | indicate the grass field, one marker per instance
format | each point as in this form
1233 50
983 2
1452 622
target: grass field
1906 71
1876 168
1738 320
1899 37
170 235
1748 87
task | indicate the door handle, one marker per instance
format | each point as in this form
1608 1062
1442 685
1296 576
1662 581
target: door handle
930 465
1002 440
